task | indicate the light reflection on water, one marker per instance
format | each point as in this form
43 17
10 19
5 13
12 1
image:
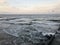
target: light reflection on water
13 27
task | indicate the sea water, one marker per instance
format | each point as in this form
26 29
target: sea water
20 25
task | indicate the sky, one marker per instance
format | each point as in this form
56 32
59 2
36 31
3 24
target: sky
29 6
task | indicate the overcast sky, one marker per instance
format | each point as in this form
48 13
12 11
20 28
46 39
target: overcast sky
30 6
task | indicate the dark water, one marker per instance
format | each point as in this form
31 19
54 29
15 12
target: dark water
30 15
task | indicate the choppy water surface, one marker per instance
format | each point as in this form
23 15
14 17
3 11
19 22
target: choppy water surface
26 29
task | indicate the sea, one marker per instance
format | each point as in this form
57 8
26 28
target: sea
27 26
30 15
39 18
